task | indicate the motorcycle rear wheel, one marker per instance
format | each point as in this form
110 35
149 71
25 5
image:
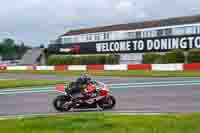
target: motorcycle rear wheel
59 103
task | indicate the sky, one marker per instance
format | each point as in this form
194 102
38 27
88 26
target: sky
37 22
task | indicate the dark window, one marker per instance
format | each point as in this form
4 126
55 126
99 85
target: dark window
89 37
159 33
97 37
131 35
138 34
168 32
106 36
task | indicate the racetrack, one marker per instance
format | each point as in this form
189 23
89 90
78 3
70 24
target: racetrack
132 94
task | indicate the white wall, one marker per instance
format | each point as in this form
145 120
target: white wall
167 67
116 67
131 58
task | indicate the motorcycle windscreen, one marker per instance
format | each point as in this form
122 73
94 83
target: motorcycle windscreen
60 88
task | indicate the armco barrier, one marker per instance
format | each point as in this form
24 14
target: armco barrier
139 67
121 67
45 68
167 67
16 67
3 68
195 66
77 67
116 67
61 68
95 67
31 67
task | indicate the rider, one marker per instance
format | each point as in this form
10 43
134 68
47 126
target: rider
83 80
80 85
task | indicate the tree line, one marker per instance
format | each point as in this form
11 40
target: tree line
174 56
10 50
82 60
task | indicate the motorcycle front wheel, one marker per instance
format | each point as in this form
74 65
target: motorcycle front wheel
107 102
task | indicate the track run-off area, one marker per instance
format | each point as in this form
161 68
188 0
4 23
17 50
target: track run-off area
133 95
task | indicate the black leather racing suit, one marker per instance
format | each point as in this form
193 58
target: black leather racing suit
78 86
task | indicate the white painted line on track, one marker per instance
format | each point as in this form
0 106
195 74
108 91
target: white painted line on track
3 119
26 92
23 89
162 85
141 114
74 113
159 82
111 86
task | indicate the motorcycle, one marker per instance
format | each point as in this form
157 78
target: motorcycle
101 98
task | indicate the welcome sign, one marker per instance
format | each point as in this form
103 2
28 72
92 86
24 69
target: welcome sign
143 45
149 45
159 44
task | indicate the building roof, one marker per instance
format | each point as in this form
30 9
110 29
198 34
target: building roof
137 25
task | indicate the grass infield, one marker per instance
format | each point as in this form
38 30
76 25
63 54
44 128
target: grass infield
27 83
104 123
114 73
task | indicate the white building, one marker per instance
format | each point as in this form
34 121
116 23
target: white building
165 34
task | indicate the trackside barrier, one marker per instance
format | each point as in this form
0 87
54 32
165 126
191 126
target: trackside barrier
195 66
139 67
45 68
122 67
95 67
167 67
3 68
61 68
31 67
77 67
16 67
116 67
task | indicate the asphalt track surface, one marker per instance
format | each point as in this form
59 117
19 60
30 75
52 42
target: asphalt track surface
136 95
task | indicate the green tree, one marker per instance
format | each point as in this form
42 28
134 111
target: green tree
194 56
151 58
9 42
175 56
9 50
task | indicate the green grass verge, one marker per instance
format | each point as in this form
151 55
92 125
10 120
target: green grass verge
104 123
27 83
116 73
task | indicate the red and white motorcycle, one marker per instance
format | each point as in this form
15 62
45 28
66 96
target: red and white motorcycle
101 97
